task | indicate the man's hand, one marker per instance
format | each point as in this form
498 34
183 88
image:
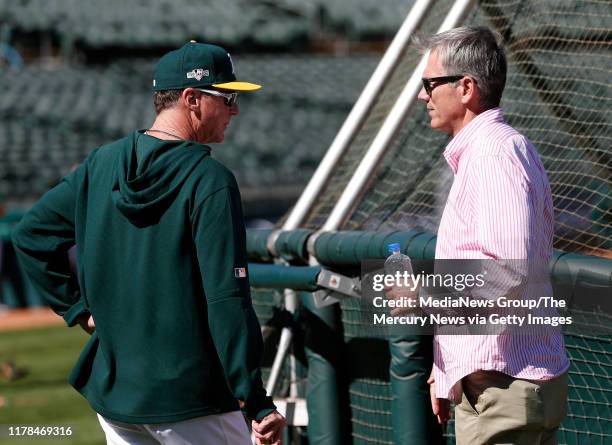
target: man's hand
270 430
440 407
87 323
404 295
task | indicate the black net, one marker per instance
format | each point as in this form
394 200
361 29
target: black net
559 95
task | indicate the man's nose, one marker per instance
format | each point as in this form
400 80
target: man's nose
234 110
423 95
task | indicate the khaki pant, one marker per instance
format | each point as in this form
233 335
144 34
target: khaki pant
498 409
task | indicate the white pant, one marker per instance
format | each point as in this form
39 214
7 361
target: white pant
218 429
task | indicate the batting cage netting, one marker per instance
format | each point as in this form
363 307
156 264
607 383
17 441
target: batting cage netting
558 93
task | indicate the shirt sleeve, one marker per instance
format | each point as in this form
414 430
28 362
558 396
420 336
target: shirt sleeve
502 210
503 215
42 240
220 240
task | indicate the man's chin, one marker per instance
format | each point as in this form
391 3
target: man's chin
435 124
439 127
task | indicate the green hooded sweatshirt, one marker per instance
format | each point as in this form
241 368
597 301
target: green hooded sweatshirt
162 267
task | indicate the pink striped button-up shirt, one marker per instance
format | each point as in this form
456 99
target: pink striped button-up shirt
499 207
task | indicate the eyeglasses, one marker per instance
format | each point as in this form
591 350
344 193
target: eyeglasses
230 98
428 82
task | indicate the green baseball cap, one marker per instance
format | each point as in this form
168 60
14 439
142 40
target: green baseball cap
198 65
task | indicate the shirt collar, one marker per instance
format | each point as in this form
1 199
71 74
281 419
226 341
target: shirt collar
457 146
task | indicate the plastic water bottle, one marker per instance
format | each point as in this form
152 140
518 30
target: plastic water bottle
397 261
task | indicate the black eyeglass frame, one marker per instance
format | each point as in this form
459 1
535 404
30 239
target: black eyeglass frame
441 80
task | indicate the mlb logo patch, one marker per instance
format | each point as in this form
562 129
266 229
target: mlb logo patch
240 272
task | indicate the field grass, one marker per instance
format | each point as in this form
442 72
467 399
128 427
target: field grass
44 397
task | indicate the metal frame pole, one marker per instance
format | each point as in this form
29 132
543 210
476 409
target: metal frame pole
358 114
396 117
284 343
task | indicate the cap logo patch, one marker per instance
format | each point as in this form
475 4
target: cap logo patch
197 74
240 272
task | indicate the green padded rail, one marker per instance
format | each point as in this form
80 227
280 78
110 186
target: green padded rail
275 276
349 248
291 244
256 245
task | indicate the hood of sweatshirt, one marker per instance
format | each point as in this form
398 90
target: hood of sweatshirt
150 173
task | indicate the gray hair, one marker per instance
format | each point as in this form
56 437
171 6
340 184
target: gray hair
475 51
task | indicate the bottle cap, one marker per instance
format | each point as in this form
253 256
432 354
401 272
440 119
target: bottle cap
393 247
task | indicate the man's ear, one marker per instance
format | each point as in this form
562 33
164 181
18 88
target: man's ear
190 99
469 91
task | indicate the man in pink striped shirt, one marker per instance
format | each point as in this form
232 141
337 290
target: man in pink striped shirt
507 388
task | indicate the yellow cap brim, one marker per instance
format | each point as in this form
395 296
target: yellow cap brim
238 86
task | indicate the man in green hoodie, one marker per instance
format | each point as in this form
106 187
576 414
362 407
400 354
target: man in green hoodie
162 269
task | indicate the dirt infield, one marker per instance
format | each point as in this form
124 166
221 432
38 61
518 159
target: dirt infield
23 319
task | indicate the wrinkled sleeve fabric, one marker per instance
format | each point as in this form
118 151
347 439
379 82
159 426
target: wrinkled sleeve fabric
42 240
220 241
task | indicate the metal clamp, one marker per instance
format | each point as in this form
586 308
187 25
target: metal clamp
336 287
